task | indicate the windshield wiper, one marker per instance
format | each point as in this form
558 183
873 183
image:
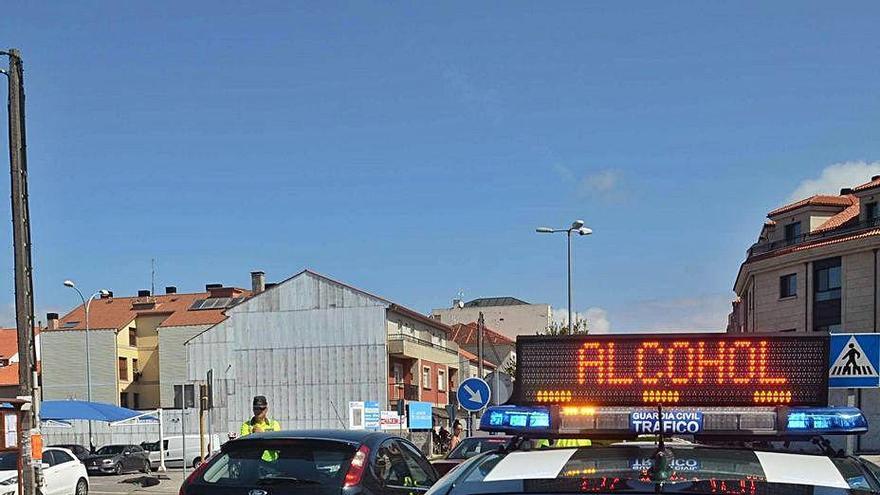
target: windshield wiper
277 480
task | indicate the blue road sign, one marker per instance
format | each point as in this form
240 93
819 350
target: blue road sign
855 359
473 394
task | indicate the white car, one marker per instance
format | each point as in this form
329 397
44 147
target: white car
63 473
174 456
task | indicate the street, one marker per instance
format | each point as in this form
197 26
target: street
169 482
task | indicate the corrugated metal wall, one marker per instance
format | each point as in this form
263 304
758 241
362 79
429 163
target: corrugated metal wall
172 359
64 365
105 434
308 345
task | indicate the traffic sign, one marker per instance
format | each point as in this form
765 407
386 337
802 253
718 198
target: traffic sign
500 386
473 394
855 360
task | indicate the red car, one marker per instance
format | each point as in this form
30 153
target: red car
469 447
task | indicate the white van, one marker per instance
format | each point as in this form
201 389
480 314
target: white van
174 455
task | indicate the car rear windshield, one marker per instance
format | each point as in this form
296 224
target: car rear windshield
111 449
470 447
291 463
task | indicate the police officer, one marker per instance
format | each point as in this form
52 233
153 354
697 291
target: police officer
260 421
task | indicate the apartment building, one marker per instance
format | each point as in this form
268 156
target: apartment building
135 346
508 315
312 344
814 269
497 349
9 360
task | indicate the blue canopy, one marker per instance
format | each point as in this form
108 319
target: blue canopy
66 410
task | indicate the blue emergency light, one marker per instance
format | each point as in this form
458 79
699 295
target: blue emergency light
516 420
826 421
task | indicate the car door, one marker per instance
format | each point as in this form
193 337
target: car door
423 474
50 475
141 458
67 471
398 471
127 458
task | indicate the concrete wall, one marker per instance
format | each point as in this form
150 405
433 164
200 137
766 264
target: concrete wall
64 365
508 320
772 313
172 359
310 345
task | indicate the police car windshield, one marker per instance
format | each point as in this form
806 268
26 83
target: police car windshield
690 470
469 447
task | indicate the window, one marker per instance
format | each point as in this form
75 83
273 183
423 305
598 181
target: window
792 232
398 466
61 457
123 369
415 462
872 212
136 371
123 399
181 393
788 285
132 337
827 282
136 400
49 457
426 378
398 373
441 380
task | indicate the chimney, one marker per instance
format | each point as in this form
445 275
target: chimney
107 295
258 282
171 289
270 285
210 287
845 191
52 321
143 293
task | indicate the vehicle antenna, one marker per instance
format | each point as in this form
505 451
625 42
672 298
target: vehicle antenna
661 459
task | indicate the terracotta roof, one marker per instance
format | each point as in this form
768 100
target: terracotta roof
473 358
115 312
849 215
9 375
868 185
817 200
9 348
466 334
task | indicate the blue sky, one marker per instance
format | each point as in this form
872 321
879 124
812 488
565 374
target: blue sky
412 148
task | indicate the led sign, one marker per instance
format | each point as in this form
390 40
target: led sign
694 369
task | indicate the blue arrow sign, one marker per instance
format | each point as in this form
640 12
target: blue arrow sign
854 360
473 394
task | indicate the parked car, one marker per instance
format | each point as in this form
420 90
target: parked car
118 459
79 451
174 455
315 462
469 447
63 474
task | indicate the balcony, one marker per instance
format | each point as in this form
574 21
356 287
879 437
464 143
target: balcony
402 391
761 248
414 348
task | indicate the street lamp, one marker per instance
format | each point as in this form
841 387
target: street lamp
86 304
578 227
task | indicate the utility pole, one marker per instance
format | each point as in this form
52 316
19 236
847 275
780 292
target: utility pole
24 289
480 325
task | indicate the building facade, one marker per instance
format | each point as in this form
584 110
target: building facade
508 315
497 349
135 346
9 360
814 269
311 345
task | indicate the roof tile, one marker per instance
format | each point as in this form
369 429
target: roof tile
817 200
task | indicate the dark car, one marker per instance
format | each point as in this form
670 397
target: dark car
316 462
467 448
118 459
79 451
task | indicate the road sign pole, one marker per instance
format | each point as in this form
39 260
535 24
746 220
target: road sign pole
850 439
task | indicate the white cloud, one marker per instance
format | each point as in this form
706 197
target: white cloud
602 182
597 318
707 313
835 177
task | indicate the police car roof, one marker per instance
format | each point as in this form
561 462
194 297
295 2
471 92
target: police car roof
559 470
348 436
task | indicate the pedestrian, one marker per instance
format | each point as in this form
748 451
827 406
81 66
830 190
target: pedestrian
260 421
457 432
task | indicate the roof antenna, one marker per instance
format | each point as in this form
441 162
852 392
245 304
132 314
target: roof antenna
661 459
153 276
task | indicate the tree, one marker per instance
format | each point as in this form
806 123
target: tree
558 328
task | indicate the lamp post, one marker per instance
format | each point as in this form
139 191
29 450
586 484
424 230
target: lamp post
86 304
576 226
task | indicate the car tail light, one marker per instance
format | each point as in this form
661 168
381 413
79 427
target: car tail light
358 465
192 477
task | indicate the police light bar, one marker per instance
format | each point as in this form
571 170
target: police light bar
623 423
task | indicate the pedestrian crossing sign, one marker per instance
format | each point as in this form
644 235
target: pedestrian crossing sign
855 360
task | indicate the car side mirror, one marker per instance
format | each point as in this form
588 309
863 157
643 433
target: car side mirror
44 465
127 453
